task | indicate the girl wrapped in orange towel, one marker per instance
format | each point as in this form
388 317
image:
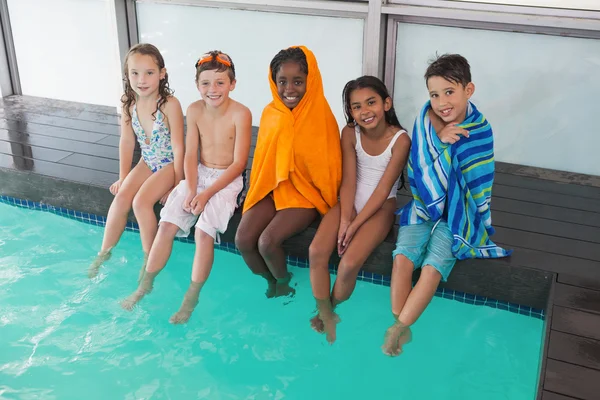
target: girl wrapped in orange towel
297 167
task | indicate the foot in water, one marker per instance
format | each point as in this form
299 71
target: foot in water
283 288
271 289
100 259
330 322
316 323
143 289
396 336
190 300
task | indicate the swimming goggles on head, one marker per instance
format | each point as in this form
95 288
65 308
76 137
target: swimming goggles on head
219 57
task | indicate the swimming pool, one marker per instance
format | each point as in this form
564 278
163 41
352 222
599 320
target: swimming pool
63 336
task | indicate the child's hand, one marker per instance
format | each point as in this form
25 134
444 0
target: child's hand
198 203
346 237
114 188
163 200
188 200
341 233
452 133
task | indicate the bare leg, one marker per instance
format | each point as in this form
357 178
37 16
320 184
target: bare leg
319 252
116 219
203 261
418 299
253 223
143 289
157 259
401 285
149 194
284 225
366 239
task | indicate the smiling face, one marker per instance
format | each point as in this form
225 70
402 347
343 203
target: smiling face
144 74
449 99
215 86
291 84
368 108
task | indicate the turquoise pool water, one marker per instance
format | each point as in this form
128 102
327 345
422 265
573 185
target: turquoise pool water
63 336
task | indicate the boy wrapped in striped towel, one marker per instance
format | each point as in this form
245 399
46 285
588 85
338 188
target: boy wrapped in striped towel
451 172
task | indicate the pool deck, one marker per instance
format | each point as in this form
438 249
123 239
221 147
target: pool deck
66 154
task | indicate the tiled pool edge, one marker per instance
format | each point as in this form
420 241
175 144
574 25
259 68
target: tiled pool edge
294 261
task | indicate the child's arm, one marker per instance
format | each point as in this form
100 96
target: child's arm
126 146
390 175
175 117
348 187
243 137
190 161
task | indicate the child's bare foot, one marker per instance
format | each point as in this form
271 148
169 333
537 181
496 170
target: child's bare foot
283 288
133 299
100 259
190 300
396 336
330 320
143 289
316 324
271 289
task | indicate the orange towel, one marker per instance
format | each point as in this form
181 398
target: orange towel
298 156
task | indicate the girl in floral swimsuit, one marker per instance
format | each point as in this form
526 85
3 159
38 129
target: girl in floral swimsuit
152 115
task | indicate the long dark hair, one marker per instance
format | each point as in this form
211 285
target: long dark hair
164 91
371 82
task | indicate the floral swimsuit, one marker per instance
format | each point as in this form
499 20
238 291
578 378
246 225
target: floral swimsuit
159 152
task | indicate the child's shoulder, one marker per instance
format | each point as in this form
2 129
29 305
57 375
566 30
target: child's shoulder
196 107
239 109
240 114
403 140
348 131
172 104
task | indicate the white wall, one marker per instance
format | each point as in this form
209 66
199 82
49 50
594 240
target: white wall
67 49
539 92
251 38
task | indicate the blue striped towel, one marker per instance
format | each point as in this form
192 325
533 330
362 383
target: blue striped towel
459 175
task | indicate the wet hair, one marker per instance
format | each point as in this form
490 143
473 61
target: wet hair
452 67
291 54
164 91
378 86
215 65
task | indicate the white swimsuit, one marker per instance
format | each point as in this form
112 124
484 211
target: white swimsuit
370 169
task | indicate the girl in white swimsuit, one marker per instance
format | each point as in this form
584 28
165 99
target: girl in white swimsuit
374 152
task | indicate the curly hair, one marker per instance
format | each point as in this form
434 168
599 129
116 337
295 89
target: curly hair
293 54
129 95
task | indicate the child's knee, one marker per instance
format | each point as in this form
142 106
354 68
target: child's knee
348 270
140 204
243 241
317 253
168 229
267 245
201 237
123 202
403 264
430 273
